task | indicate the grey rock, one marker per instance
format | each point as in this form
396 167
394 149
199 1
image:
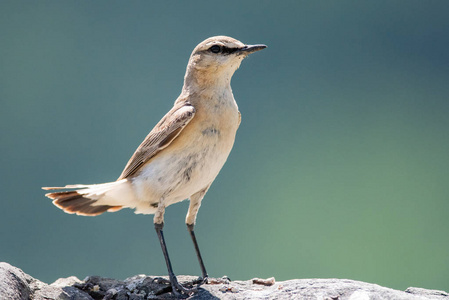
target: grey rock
16 285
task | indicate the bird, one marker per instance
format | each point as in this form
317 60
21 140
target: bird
181 156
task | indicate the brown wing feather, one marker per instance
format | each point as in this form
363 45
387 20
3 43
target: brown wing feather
160 137
73 202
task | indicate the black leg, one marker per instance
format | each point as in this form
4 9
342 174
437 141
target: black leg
177 288
198 254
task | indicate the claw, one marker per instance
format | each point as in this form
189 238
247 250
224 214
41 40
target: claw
179 290
182 292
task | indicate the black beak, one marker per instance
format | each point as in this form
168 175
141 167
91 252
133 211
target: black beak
248 49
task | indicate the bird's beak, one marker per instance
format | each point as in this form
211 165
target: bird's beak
248 49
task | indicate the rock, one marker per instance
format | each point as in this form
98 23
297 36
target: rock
16 285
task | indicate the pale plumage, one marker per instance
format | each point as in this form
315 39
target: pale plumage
180 158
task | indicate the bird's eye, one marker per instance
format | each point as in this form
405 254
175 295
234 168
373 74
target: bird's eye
215 49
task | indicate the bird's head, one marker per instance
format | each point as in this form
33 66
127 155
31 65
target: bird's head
217 58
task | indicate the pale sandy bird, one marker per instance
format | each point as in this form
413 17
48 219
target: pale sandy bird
180 158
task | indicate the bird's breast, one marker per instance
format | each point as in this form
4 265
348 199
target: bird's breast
193 160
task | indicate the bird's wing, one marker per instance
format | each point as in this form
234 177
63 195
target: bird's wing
160 137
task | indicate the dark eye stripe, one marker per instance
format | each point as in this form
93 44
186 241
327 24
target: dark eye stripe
227 50
224 50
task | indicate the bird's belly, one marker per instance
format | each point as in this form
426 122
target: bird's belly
179 172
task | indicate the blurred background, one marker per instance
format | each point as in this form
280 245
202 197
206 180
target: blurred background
340 167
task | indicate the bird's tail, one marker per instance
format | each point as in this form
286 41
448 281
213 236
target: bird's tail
89 200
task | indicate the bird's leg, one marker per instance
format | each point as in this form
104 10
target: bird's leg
178 289
195 203
204 277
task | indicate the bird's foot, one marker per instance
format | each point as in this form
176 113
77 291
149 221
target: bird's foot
179 290
188 288
183 291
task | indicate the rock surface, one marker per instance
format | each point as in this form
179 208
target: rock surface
16 285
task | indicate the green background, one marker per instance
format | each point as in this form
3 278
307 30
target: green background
340 167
